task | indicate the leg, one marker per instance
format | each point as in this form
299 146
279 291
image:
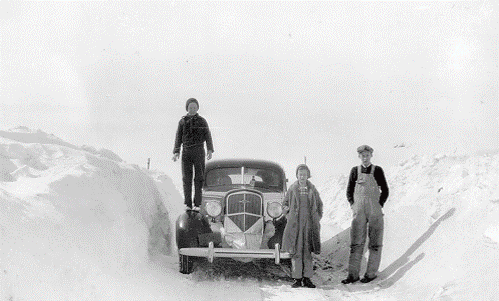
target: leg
308 261
187 178
297 266
308 267
358 240
199 165
376 227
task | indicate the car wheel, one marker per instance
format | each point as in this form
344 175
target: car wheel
186 264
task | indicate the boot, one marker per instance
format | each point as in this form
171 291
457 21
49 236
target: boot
349 280
308 283
367 279
297 283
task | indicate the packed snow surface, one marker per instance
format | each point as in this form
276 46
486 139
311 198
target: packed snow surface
77 223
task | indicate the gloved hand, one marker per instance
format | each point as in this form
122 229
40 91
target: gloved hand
175 157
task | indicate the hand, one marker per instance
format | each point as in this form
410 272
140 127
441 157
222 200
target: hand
208 156
285 210
175 157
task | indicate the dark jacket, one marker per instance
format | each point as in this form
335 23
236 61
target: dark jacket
192 131
290 202
379 176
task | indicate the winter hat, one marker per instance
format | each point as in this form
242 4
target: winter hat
364 148
189 102
303 166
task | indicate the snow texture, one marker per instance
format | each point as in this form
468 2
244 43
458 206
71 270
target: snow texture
77 223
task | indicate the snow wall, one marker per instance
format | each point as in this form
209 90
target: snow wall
73 219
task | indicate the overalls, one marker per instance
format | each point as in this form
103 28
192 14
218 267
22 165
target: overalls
366 210
302 262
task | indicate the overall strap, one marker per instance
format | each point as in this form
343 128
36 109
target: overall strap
372 169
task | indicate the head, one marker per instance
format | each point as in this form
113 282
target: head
365 154
192 106
302 173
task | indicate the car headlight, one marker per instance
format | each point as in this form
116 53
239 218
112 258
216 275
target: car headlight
213 208
274 209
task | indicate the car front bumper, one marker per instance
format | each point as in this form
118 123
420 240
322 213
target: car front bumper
211 252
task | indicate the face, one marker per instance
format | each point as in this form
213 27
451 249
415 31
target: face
365 158
302 175
192 109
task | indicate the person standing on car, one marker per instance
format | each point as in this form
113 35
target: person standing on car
367 192
192 133
303 209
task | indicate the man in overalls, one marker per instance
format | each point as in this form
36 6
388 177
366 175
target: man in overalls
367 192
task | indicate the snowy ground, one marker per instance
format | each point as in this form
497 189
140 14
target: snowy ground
77 223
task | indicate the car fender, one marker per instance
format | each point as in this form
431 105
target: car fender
189 226
279 225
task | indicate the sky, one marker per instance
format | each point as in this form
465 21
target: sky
275 80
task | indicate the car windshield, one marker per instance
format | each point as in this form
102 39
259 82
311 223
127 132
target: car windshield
256 177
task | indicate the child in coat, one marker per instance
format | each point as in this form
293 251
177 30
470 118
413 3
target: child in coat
303 209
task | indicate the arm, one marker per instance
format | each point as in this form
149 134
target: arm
178 137
379 175
351 185
285 203
319 203
207 137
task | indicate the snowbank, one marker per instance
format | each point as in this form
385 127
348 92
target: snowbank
441 230
76 222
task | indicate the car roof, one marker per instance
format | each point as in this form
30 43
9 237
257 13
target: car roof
244 162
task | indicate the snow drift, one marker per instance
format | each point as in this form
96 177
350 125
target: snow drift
70 217
441 240
77 223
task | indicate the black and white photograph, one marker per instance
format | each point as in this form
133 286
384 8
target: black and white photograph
249 150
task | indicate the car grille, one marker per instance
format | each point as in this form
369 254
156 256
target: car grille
244 209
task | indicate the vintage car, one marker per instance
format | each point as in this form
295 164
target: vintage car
240 216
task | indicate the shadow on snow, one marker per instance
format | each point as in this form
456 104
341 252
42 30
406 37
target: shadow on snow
397 269
335 260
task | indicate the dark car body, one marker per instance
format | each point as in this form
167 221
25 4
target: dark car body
240 214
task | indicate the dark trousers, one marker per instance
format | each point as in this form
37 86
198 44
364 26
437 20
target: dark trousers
193 158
